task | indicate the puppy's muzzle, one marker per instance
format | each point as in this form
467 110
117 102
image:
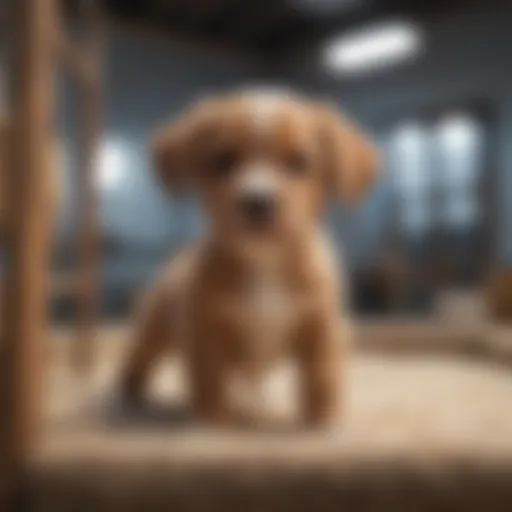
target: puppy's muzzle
259 209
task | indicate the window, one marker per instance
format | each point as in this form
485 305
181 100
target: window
459 142
409 172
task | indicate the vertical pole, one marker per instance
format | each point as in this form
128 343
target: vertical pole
23 350
88 232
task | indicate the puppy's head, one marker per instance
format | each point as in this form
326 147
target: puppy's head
264 163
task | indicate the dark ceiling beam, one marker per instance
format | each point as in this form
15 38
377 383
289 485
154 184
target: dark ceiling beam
192 13
268 27
258 25
167 8
424 10
164 34
203 12
205 15
262 18
128 8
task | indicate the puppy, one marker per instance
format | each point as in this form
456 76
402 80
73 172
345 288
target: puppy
262 285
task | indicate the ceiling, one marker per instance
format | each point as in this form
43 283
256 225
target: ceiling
265 27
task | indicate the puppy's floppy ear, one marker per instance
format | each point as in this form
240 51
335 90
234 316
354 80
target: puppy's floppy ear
175 147
351 161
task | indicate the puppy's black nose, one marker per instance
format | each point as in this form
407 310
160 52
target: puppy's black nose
259 208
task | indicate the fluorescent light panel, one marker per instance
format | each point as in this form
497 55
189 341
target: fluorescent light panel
377 46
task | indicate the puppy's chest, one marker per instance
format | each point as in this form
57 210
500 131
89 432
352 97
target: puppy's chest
266 310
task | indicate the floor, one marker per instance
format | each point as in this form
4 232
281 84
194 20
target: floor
438 424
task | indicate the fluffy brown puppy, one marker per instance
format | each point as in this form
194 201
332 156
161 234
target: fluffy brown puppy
263 284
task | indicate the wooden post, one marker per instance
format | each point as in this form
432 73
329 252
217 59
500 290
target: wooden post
26 271
88 233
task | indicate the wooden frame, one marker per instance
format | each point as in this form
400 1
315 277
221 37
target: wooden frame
28 240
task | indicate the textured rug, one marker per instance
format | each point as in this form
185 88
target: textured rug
425 429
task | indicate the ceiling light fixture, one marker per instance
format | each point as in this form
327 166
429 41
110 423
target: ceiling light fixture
373 47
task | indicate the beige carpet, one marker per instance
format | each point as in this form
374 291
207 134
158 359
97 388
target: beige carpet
422 431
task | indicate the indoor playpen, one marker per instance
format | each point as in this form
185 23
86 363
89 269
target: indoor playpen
429 422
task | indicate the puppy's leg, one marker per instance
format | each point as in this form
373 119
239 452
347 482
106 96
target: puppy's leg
153 334
321 357
209 374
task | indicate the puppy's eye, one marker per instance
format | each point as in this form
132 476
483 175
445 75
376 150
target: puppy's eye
223 162
297 162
